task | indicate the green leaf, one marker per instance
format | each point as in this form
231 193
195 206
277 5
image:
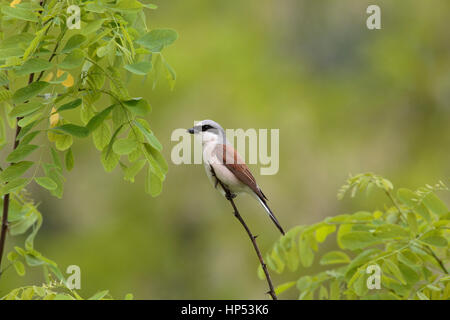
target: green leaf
56 159
435 238
129 296
153 184
334 257
157 39
343 229
109 160
25 109
101 136
21 152
138 106
360 284
305 252
323 232
33 66
140 68
20 268
74 130
29 137
434 204
29 119
5 94
304 283
113 139
34 44
70 105
26 129
98 119
92 26
323 293
46 182
392 267
124 146
128 5
149 136
409 198
99 295
73 60
54 172
69 160
412 222
171 75
358 240
406 196
133 170
156 161
73 43
28 92
422 296
285 286
14 171
63 141
391 231
2 133
12 256
3 79
410 276
20 13
14 185
335 291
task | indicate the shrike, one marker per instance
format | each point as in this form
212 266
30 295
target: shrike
224 166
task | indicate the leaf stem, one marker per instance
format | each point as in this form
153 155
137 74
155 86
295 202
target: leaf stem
4 228
439 261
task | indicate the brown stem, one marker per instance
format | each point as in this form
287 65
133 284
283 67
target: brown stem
439 261
6 198
230 197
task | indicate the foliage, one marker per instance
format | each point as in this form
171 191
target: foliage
54 290
55 83
407 239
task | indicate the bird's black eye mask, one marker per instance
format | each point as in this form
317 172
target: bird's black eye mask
206 127
203 128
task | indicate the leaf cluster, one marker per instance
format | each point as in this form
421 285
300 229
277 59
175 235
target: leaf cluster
408 240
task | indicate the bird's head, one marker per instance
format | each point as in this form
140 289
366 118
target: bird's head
207 131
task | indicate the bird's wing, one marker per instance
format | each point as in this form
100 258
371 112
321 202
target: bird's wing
233 162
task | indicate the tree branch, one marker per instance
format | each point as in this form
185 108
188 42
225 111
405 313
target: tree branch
230 197
6 198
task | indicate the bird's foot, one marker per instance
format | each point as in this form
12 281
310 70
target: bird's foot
230 196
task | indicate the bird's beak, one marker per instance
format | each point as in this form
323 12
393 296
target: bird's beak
191 131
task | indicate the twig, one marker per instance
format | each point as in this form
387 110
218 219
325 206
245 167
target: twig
6 198
439 261
230 197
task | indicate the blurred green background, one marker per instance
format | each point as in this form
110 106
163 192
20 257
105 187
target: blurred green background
346 100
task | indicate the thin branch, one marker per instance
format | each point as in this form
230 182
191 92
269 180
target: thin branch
402 215
58 42
439 261
230 197
4 229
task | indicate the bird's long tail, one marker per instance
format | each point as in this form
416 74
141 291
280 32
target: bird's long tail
270 213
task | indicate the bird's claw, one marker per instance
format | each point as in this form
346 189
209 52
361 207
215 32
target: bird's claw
230 196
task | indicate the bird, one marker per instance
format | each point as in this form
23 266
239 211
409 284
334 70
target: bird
225 167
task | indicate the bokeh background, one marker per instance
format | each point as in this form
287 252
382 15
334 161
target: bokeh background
346 100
